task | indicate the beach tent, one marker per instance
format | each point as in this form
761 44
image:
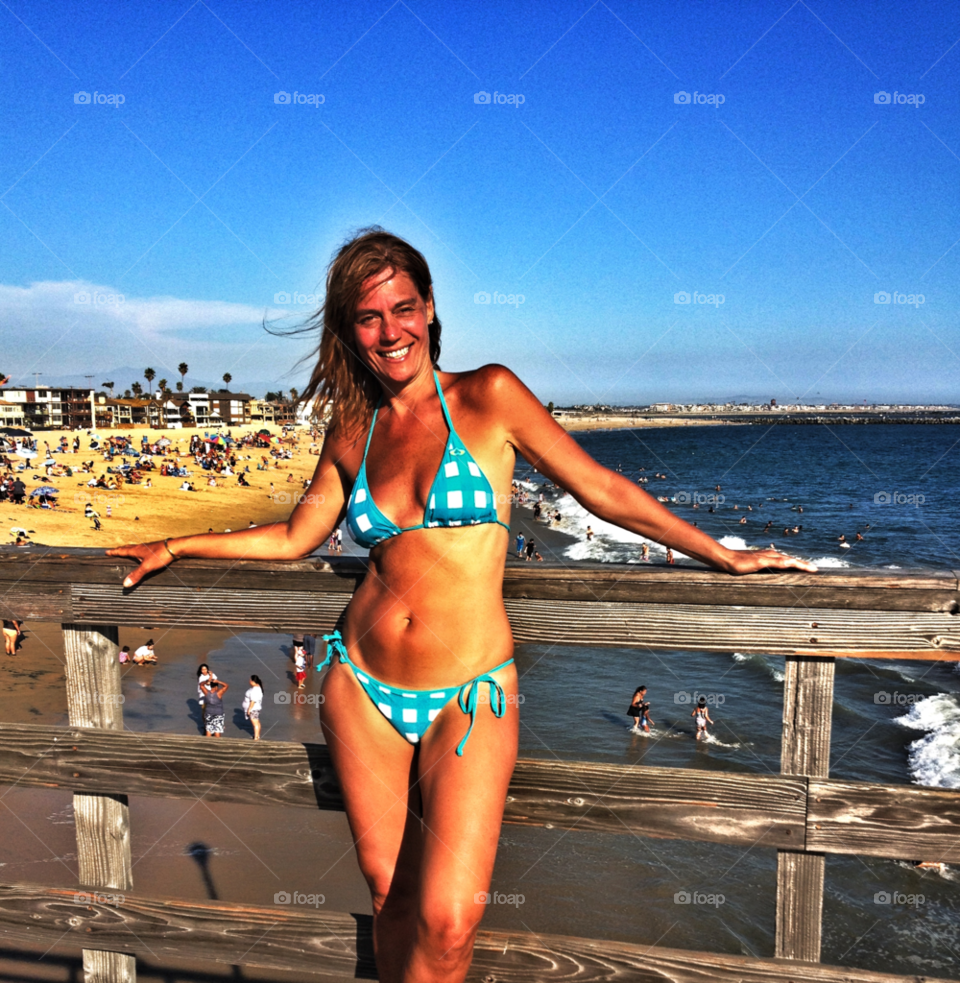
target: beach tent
15 432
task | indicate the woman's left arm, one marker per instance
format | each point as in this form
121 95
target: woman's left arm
610 496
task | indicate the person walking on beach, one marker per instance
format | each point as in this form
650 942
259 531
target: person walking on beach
11 635
253 704
213 690
300 665
419 462
531 549
701 717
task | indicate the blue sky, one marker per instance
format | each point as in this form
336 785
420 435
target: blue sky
183 199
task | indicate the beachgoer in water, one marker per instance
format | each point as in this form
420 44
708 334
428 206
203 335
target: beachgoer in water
253 704
701 717
859 538
393 416
589 533
669 555
743 521
635 709
645 553
213 691
841 538
646 721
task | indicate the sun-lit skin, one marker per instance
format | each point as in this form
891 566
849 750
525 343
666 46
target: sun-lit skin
430 614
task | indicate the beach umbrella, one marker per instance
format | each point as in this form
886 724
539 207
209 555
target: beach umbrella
164 442
265 431
44 490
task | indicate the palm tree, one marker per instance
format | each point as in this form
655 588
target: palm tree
126 394
180 387
294 395
108 385
227 379
137 388
183 369
149 375
163 384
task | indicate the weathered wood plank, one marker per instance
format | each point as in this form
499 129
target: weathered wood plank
334 943
805 750
719 807
770 630
935 591
95 700
880 821
29 601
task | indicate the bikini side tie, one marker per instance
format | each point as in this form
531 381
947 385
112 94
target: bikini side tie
470 695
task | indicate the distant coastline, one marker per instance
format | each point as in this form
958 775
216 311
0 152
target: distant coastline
621 418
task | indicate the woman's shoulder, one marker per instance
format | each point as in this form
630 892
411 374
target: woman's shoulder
484 387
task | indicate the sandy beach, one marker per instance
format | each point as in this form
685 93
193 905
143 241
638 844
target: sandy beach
139 514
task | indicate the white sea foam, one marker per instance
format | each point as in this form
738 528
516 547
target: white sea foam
764 662
824 562
610 543
934 759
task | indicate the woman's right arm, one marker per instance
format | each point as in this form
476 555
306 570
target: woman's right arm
318 512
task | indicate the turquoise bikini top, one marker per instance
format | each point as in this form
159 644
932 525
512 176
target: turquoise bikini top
461 495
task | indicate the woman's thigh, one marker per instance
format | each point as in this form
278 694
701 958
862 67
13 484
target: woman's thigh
374 768
463 799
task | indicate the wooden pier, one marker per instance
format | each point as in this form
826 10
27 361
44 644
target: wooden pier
802 813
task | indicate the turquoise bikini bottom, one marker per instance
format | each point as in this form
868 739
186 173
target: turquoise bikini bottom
412 711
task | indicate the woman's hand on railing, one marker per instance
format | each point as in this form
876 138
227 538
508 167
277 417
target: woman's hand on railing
752 561
152 556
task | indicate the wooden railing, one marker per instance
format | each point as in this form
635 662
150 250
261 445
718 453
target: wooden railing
802 813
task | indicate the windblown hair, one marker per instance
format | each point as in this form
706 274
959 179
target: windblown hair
341 379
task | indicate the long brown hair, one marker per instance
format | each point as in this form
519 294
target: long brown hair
341 379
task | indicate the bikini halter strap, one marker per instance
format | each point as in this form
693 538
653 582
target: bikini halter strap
376 410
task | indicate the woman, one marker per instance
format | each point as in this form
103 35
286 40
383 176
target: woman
635 709
420 463
253 704
11 632
204 675
213 691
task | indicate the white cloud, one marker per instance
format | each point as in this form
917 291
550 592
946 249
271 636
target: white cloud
58 327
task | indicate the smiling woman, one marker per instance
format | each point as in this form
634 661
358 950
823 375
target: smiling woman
420 462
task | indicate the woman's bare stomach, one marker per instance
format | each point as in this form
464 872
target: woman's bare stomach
430 609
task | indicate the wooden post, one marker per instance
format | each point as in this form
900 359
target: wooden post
94 699
807 719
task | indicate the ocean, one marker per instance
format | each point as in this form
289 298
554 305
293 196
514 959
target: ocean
893 722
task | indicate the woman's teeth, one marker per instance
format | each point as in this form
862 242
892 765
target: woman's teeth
399 353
